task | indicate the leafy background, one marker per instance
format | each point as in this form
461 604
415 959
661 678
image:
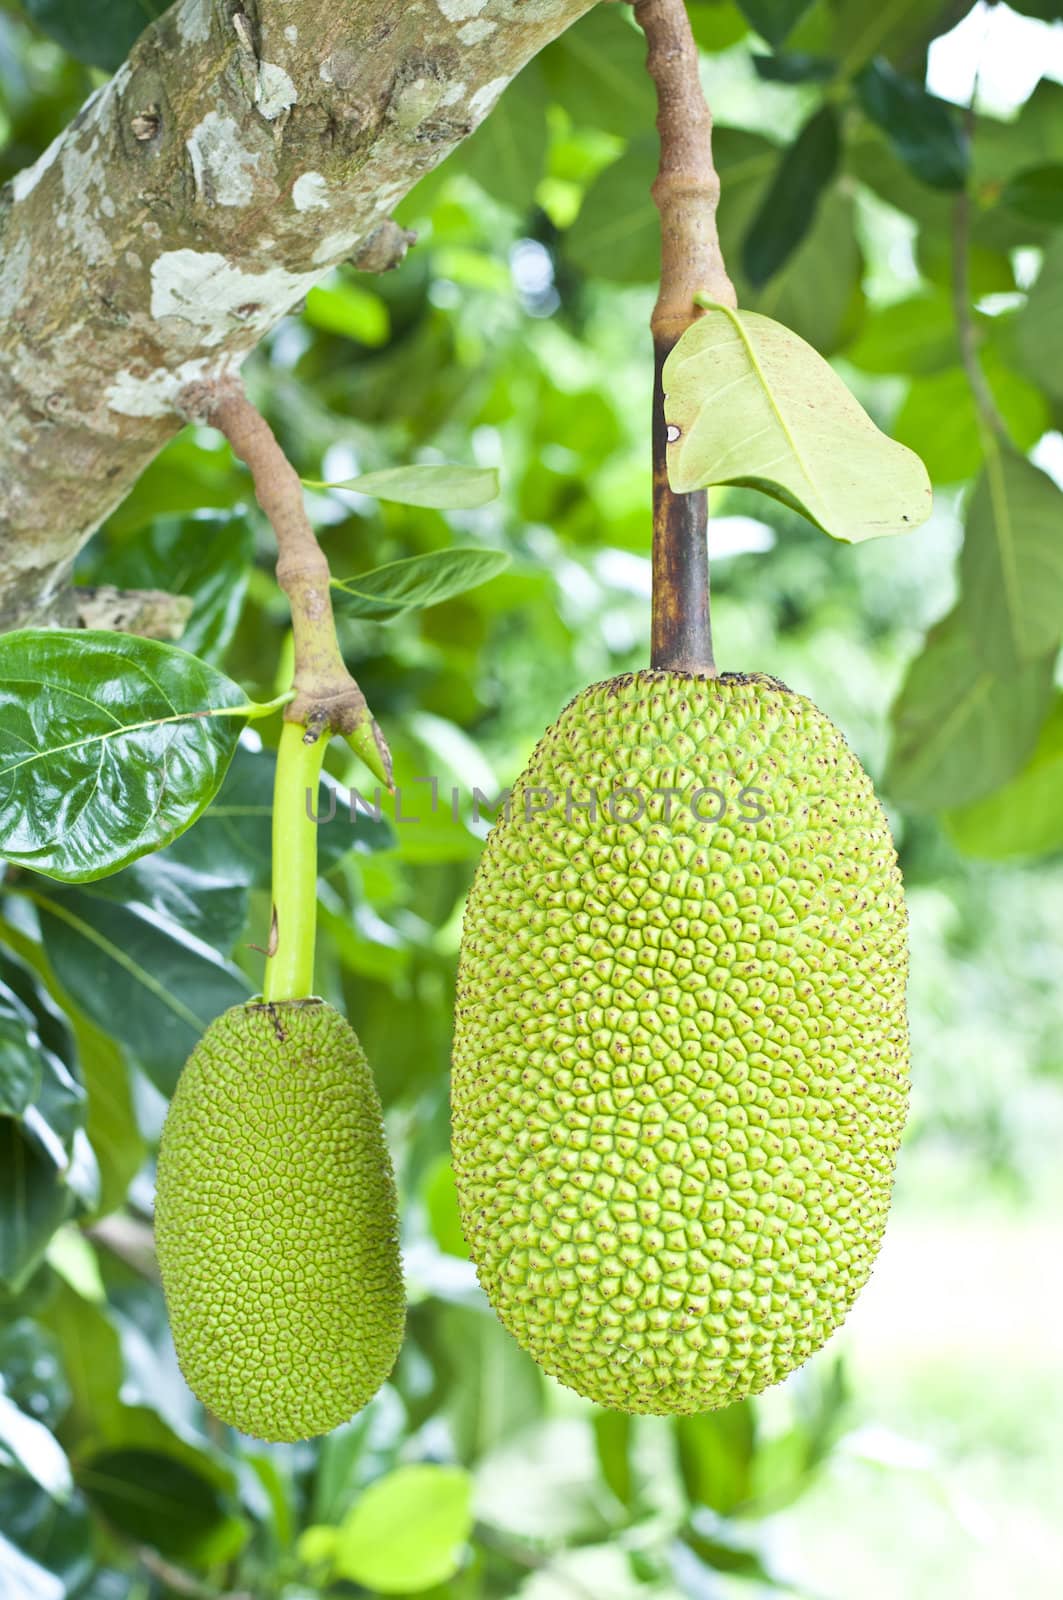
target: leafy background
919 1453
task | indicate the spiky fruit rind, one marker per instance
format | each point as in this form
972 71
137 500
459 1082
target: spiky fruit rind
681 1062
276 1222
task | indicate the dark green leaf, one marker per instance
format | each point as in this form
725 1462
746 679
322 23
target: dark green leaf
232 842
1025 817
719 1547
97 31
1037 193
1011 564
774 19
106 747
507 153
207 905
924 131
442 488
160 1501
30 1445
715 1456
34 1202
20 1066
959 731
597 70
138 975
419 581
45 1547
207 557
788 208
795 67
33 1372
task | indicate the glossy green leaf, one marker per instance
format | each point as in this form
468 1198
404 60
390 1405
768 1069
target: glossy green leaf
597 70
959 730
45 1545
442 488
1039 327
938 419
30 1444
1011 563
407 1531
207 557
756 406
138 975
34 1202
160 1501
788 208
107 750
774 20
33 1372
99 32
20 1066
416 582
349 310
232 841
1037 193
924 131
209 906
507 153
1025 817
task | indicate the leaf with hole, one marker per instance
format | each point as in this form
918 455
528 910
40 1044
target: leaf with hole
110 746
448 487
751 404
419 581
1011 563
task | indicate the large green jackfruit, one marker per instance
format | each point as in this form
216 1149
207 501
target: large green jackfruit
680 1062
276 1222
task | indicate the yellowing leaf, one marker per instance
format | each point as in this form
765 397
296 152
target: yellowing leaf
750 403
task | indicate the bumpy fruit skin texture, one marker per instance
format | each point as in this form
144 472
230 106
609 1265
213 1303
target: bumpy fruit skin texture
276 1222
681 1063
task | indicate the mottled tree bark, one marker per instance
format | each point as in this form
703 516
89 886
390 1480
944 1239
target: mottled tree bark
240 153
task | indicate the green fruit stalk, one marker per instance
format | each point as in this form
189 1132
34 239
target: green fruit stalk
681 1060
276 1222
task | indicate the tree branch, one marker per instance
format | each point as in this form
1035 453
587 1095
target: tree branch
240 153
327 699
685 191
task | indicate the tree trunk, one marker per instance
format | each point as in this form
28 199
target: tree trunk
236 157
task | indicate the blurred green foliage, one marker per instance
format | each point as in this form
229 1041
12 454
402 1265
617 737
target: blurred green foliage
513 338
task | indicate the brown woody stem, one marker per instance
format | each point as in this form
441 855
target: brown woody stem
327 699
685 192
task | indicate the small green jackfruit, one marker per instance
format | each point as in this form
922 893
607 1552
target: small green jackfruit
276 1222
681 1058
